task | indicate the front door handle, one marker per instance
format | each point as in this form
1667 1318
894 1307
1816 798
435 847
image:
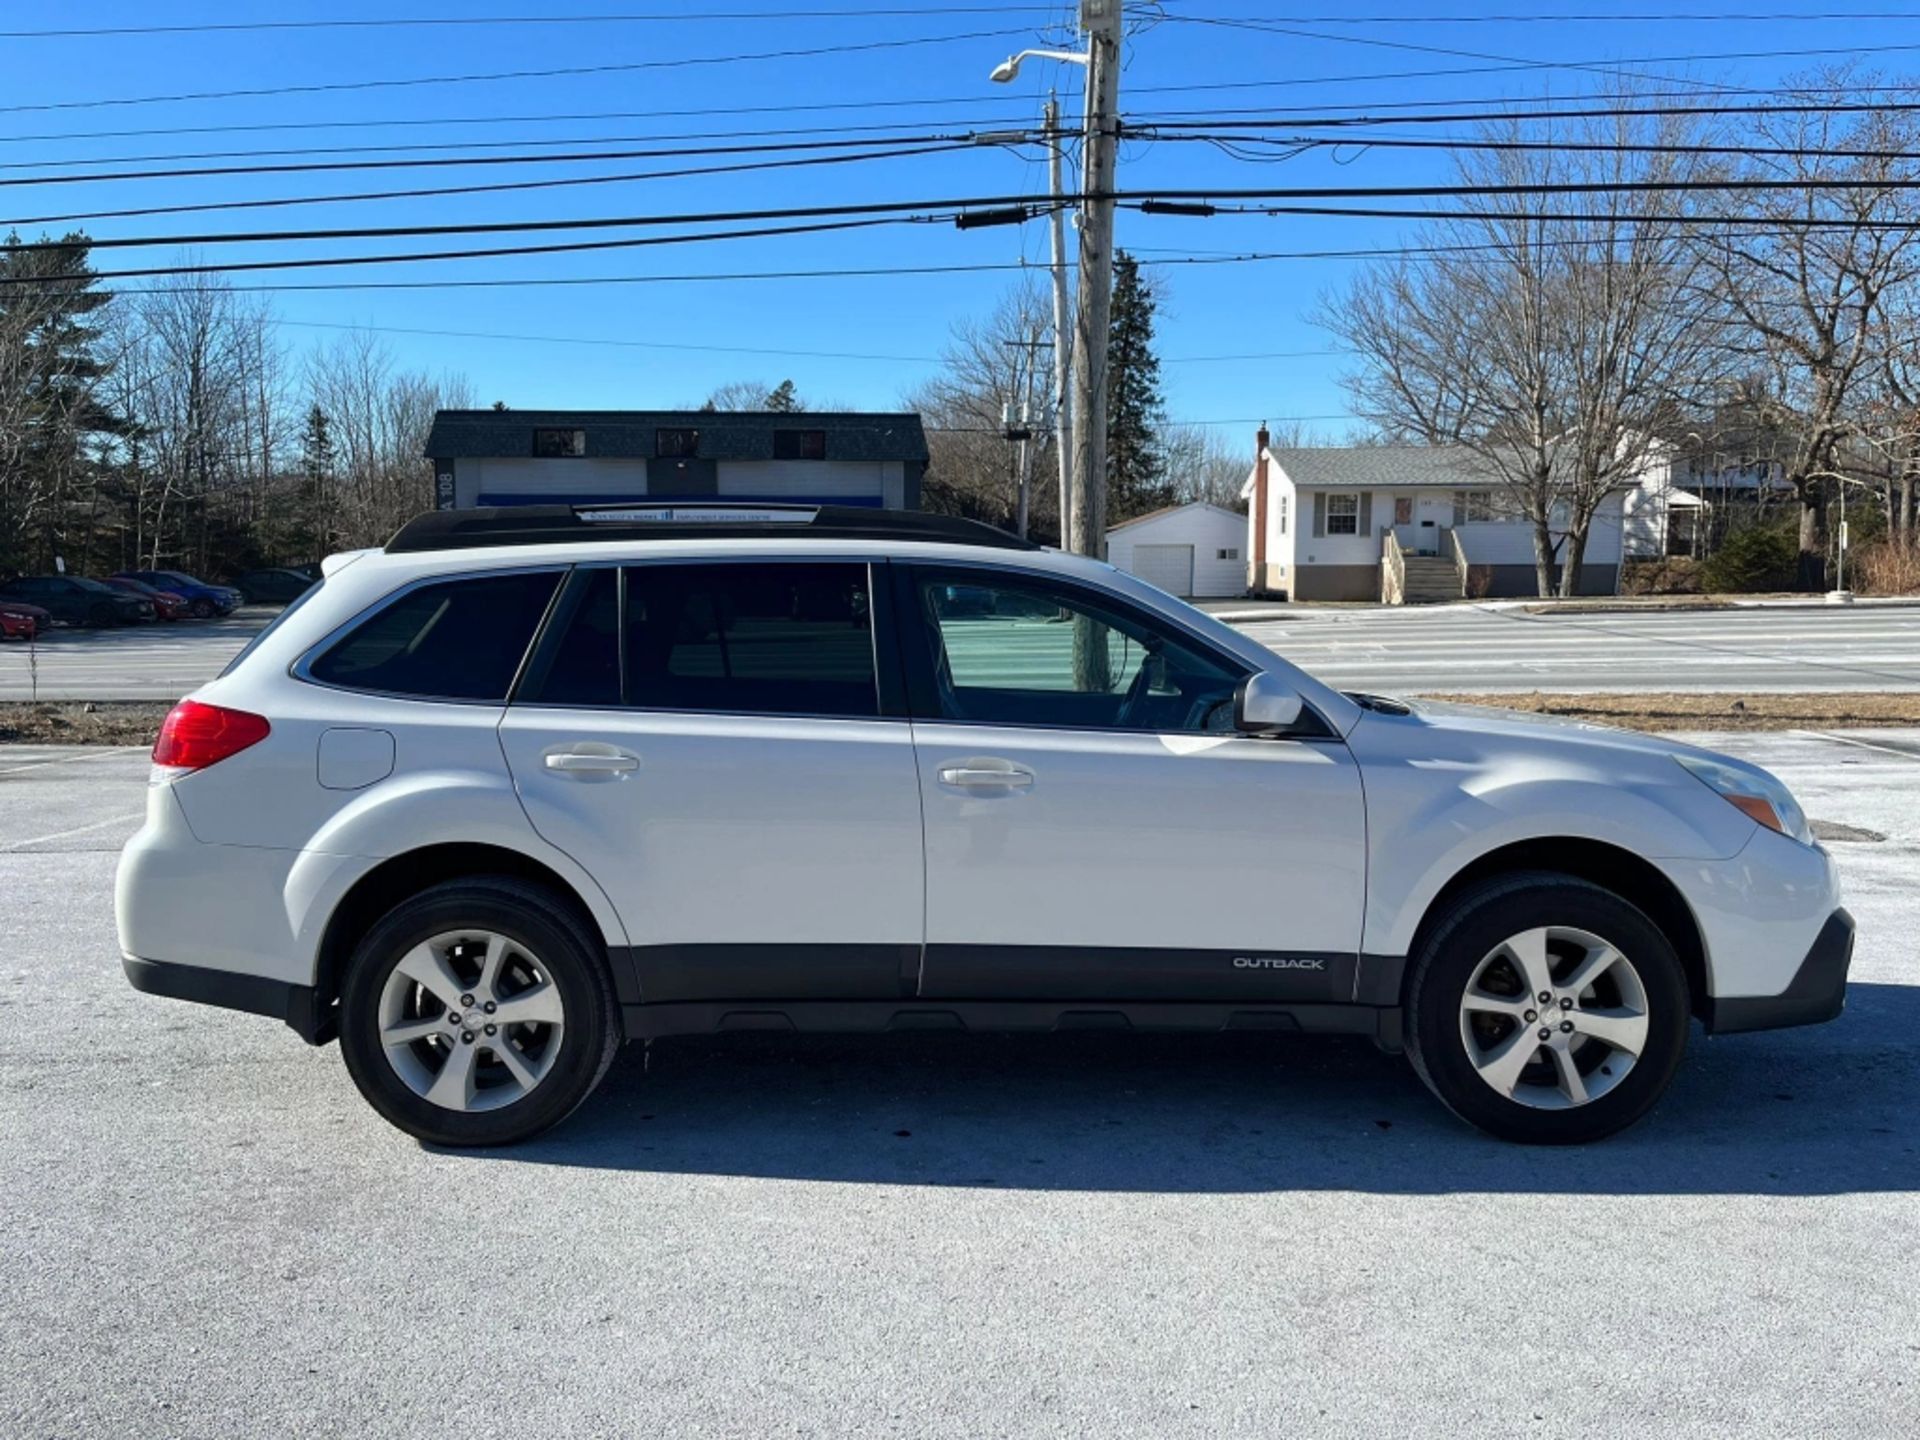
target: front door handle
591 762
986 775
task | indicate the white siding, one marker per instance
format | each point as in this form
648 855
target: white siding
1510 542
523 475
1208 529
1362 548
807 479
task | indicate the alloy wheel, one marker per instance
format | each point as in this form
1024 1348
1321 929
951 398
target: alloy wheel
470 1020
1554 1017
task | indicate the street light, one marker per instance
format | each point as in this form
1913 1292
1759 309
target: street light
1008 70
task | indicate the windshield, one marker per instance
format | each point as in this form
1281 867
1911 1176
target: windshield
85 584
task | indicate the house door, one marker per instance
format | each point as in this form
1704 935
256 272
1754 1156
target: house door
1431 515
1404 528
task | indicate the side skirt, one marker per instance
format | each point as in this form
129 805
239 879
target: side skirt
1381 1024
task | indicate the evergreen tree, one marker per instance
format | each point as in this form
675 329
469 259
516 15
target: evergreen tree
1136 468
314 534
782 399
50 371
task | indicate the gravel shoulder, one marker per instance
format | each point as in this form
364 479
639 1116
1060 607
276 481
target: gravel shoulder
1677 710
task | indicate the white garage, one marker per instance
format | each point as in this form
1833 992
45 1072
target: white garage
1194 551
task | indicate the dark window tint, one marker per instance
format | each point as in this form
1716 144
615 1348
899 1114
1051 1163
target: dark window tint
458 640
676 444
558 444
793 639
581 660
799 444
1022 653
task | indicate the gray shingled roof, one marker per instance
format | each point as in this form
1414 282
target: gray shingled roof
724 434
1387 467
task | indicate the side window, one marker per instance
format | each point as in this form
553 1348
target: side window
457 640
1343 514
773 639
579 663
1019 652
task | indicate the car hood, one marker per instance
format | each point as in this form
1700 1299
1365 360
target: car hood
21 610
1524 726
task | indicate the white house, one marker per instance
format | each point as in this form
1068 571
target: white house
1193 551
1373 522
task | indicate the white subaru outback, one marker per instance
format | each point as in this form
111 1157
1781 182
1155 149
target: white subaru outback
529 782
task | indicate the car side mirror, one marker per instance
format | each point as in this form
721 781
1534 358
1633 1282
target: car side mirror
1265 705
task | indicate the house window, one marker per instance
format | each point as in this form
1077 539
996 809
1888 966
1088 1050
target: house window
559 444
1283 514
1343 514
1472 505
1233 554
799 444
676 444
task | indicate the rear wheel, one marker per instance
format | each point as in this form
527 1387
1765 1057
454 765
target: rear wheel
478 1013
1546 1010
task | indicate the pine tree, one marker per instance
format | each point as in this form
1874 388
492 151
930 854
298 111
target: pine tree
50 372
314 534
783 400
1136 469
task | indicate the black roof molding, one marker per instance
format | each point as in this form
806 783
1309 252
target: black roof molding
724 434
661 520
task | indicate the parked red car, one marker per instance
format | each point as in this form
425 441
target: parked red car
20 621
166 604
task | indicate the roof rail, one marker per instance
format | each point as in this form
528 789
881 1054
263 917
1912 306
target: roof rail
682 520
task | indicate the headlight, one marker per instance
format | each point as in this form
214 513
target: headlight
1756 794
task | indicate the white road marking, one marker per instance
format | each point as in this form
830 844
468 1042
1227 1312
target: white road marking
106 754
1863 744
19 845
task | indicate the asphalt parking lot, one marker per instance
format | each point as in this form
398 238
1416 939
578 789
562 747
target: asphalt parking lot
1411 650
208 1233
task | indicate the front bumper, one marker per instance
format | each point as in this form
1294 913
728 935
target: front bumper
1816 994
297 1005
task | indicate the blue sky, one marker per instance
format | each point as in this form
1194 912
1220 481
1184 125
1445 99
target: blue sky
863 341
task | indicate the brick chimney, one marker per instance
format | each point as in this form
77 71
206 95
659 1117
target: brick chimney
1258 578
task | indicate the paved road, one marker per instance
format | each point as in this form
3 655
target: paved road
1471 648
1408 651
207 1233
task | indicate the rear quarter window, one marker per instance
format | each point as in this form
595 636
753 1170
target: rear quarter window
451 640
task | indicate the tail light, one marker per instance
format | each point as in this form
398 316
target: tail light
194 736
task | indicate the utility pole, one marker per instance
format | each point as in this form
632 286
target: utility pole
1062 351
1093 312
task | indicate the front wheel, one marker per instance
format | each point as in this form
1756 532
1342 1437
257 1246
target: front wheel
101 615
201 609
478 1013
1546 1010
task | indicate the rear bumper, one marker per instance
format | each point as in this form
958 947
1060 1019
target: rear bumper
1817 993
297 1005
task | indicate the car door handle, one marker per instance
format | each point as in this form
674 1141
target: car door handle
976 775
589 762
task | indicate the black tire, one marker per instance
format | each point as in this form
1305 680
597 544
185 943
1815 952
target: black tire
101 615
528 915
1478 924
201 609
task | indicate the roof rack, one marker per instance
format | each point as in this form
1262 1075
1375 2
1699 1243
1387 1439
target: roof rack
718 519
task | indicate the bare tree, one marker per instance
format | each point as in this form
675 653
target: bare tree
991 364
1810 271
1556 348
378 419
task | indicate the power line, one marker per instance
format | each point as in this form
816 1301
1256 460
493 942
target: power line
844 158
1201 199
739 349
445 21
612 68
432 162
1612 18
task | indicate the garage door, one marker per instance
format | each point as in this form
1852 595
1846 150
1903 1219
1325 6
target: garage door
1168 566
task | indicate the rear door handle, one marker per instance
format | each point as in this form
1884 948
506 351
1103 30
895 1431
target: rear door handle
986 775
591 762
